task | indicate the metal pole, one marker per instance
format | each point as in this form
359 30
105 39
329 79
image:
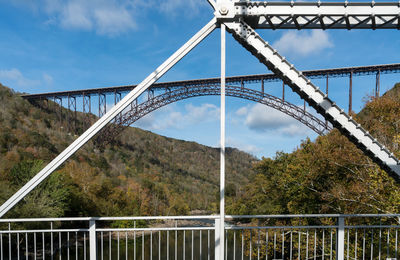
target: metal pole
222 162
75 114
262 86
378 83
92 239
327 93
217 239
327 84
351 92
340 240
283 90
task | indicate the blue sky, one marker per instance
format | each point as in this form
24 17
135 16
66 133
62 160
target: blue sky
54 45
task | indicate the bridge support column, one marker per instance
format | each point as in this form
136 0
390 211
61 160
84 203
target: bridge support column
340 239
102 104
86 103
378 83
217 240
351 93
58 101
92 240
327 92
262 86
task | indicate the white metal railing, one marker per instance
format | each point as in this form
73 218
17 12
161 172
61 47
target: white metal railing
197 237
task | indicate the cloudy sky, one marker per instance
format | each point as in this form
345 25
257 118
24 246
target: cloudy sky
56 45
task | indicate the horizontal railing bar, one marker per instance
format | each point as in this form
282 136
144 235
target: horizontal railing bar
194 228
209 217
158 218
310 227
108 218
44 231
279 227
154 229
313 216
372 226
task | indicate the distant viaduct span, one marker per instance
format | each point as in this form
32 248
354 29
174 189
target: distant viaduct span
169 92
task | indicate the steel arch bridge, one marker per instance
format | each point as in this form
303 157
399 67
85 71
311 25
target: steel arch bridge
241 18
179 90
138 111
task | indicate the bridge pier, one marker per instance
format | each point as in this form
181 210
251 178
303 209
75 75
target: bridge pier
71 108
58 101
351 93
378 83
262 86
102 104
86 109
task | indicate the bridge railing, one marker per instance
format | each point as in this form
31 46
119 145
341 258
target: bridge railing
194 237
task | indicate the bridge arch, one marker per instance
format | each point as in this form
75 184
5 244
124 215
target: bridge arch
153 103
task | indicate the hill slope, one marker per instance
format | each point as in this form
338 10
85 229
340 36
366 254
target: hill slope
144 174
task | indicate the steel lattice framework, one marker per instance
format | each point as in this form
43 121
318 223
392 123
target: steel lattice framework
140 110
317 15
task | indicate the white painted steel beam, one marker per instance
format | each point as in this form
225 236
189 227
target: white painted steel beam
315 15
222 151
102 122
267 55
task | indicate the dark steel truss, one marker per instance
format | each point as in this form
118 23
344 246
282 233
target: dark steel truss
138 111
312 74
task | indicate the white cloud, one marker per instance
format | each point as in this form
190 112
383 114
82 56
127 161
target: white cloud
75 15
242 111
15 78
106 17
249 148
303 43
169 117
113 21
110 17
261 118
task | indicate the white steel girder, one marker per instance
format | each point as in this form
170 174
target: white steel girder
267 55
102 122
314 15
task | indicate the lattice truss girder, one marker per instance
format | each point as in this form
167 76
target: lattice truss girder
267 55
317 15
155 102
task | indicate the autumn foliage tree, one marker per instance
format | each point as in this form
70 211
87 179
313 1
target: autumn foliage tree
329 175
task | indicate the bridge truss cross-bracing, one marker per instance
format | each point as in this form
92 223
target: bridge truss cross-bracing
241 18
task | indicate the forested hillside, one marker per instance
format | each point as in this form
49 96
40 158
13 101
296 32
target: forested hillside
329 175
142 174
147 174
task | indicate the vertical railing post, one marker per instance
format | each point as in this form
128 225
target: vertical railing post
340 239
217 239
92 239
